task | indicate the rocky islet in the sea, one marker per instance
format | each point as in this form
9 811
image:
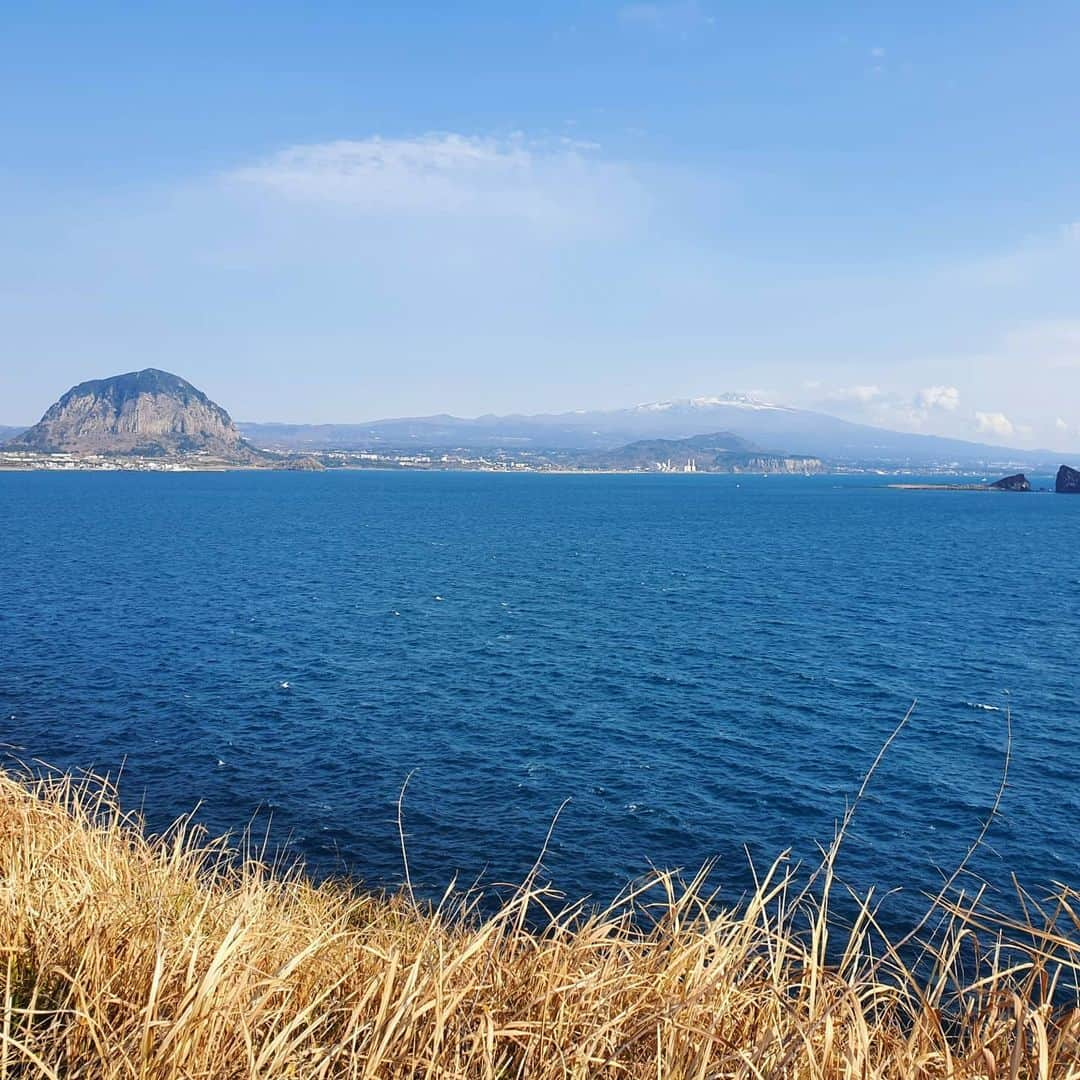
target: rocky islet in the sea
1068 481
1018 482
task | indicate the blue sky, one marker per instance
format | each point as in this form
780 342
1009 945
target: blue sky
340 211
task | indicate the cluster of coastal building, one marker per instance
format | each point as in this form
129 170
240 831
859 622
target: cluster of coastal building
369 459
555 462
463 460
27 460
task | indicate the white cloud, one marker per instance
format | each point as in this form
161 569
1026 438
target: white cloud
1061 425
910 412
447 175
994 423
938 397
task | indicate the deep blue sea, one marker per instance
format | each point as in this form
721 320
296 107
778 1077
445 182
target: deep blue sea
702 665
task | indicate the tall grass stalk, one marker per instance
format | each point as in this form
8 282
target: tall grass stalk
144 957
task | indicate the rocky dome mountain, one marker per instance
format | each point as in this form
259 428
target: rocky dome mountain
148 413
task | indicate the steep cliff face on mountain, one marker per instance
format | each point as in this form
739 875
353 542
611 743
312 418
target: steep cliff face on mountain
147 413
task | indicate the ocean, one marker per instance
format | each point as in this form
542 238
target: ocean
703 666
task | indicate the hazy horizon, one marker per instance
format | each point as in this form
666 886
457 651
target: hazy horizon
715 421
400 211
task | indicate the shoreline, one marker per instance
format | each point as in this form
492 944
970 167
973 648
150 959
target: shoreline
839 472
950 487
402 469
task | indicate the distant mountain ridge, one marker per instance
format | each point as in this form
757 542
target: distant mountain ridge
147 413
763 423
155 413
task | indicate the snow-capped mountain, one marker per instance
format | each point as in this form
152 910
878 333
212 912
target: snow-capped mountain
689 405
766 424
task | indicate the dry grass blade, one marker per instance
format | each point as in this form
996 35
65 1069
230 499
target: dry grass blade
142 958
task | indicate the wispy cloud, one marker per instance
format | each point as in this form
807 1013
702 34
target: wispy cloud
447 175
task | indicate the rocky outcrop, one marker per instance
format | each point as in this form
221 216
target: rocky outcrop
721 452
306 463
148 413
1019 482
794 465
1068 481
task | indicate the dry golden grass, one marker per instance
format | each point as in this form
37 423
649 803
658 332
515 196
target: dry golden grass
137 957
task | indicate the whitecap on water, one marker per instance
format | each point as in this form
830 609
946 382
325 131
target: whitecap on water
983 706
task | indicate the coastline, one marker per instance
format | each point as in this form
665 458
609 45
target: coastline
945 487
178 468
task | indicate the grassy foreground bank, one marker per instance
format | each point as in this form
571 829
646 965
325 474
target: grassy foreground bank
137 957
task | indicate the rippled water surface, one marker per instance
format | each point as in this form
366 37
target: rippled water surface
698 663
